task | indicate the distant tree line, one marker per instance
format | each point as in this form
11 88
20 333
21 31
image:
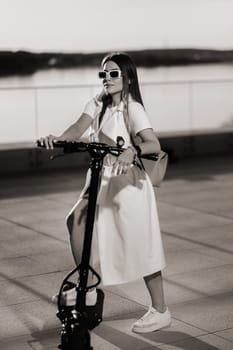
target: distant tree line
25 63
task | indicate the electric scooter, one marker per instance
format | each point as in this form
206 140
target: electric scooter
79 319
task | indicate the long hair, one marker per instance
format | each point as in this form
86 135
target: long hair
130 80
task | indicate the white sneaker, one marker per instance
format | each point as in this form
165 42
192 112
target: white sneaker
68 297
152 321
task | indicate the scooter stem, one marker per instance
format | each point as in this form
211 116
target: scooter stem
96 166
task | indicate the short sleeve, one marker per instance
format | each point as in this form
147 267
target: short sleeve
138 117
92 108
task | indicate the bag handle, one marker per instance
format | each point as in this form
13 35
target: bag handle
129 129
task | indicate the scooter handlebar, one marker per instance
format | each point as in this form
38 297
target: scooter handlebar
76 146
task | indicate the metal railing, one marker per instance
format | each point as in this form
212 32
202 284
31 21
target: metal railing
174 106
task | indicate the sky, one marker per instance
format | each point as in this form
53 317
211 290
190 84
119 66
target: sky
104 25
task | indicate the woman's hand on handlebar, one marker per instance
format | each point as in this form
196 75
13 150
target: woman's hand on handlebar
47 141
124 161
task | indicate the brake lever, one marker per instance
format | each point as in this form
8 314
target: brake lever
119 144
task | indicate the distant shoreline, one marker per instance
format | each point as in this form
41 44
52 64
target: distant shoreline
26 63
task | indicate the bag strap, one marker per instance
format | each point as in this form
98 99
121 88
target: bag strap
129 129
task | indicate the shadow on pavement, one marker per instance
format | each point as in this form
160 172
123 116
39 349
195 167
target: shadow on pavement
125 341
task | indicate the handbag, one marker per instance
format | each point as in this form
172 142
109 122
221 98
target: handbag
156 164
156 168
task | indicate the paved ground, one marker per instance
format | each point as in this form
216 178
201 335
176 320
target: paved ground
196 212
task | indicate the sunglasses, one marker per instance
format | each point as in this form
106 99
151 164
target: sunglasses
113 74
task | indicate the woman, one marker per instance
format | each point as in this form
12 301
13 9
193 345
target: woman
127 240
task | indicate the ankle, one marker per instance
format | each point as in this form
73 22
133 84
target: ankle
160 308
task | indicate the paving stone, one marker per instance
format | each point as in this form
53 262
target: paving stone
55 229
34 244
14 292
135 290
10 232
214 241
174 242
119 333
27 318
36 265
175 219
211 314
116 306
226 334
22 290
215 201
195 285
61 260
189 261
36 341
68 198
27 205
205 342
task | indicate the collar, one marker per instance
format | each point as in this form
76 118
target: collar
120 107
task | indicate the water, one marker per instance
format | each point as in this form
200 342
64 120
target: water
180 100
88 75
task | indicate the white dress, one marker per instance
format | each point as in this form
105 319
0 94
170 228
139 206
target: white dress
127 242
